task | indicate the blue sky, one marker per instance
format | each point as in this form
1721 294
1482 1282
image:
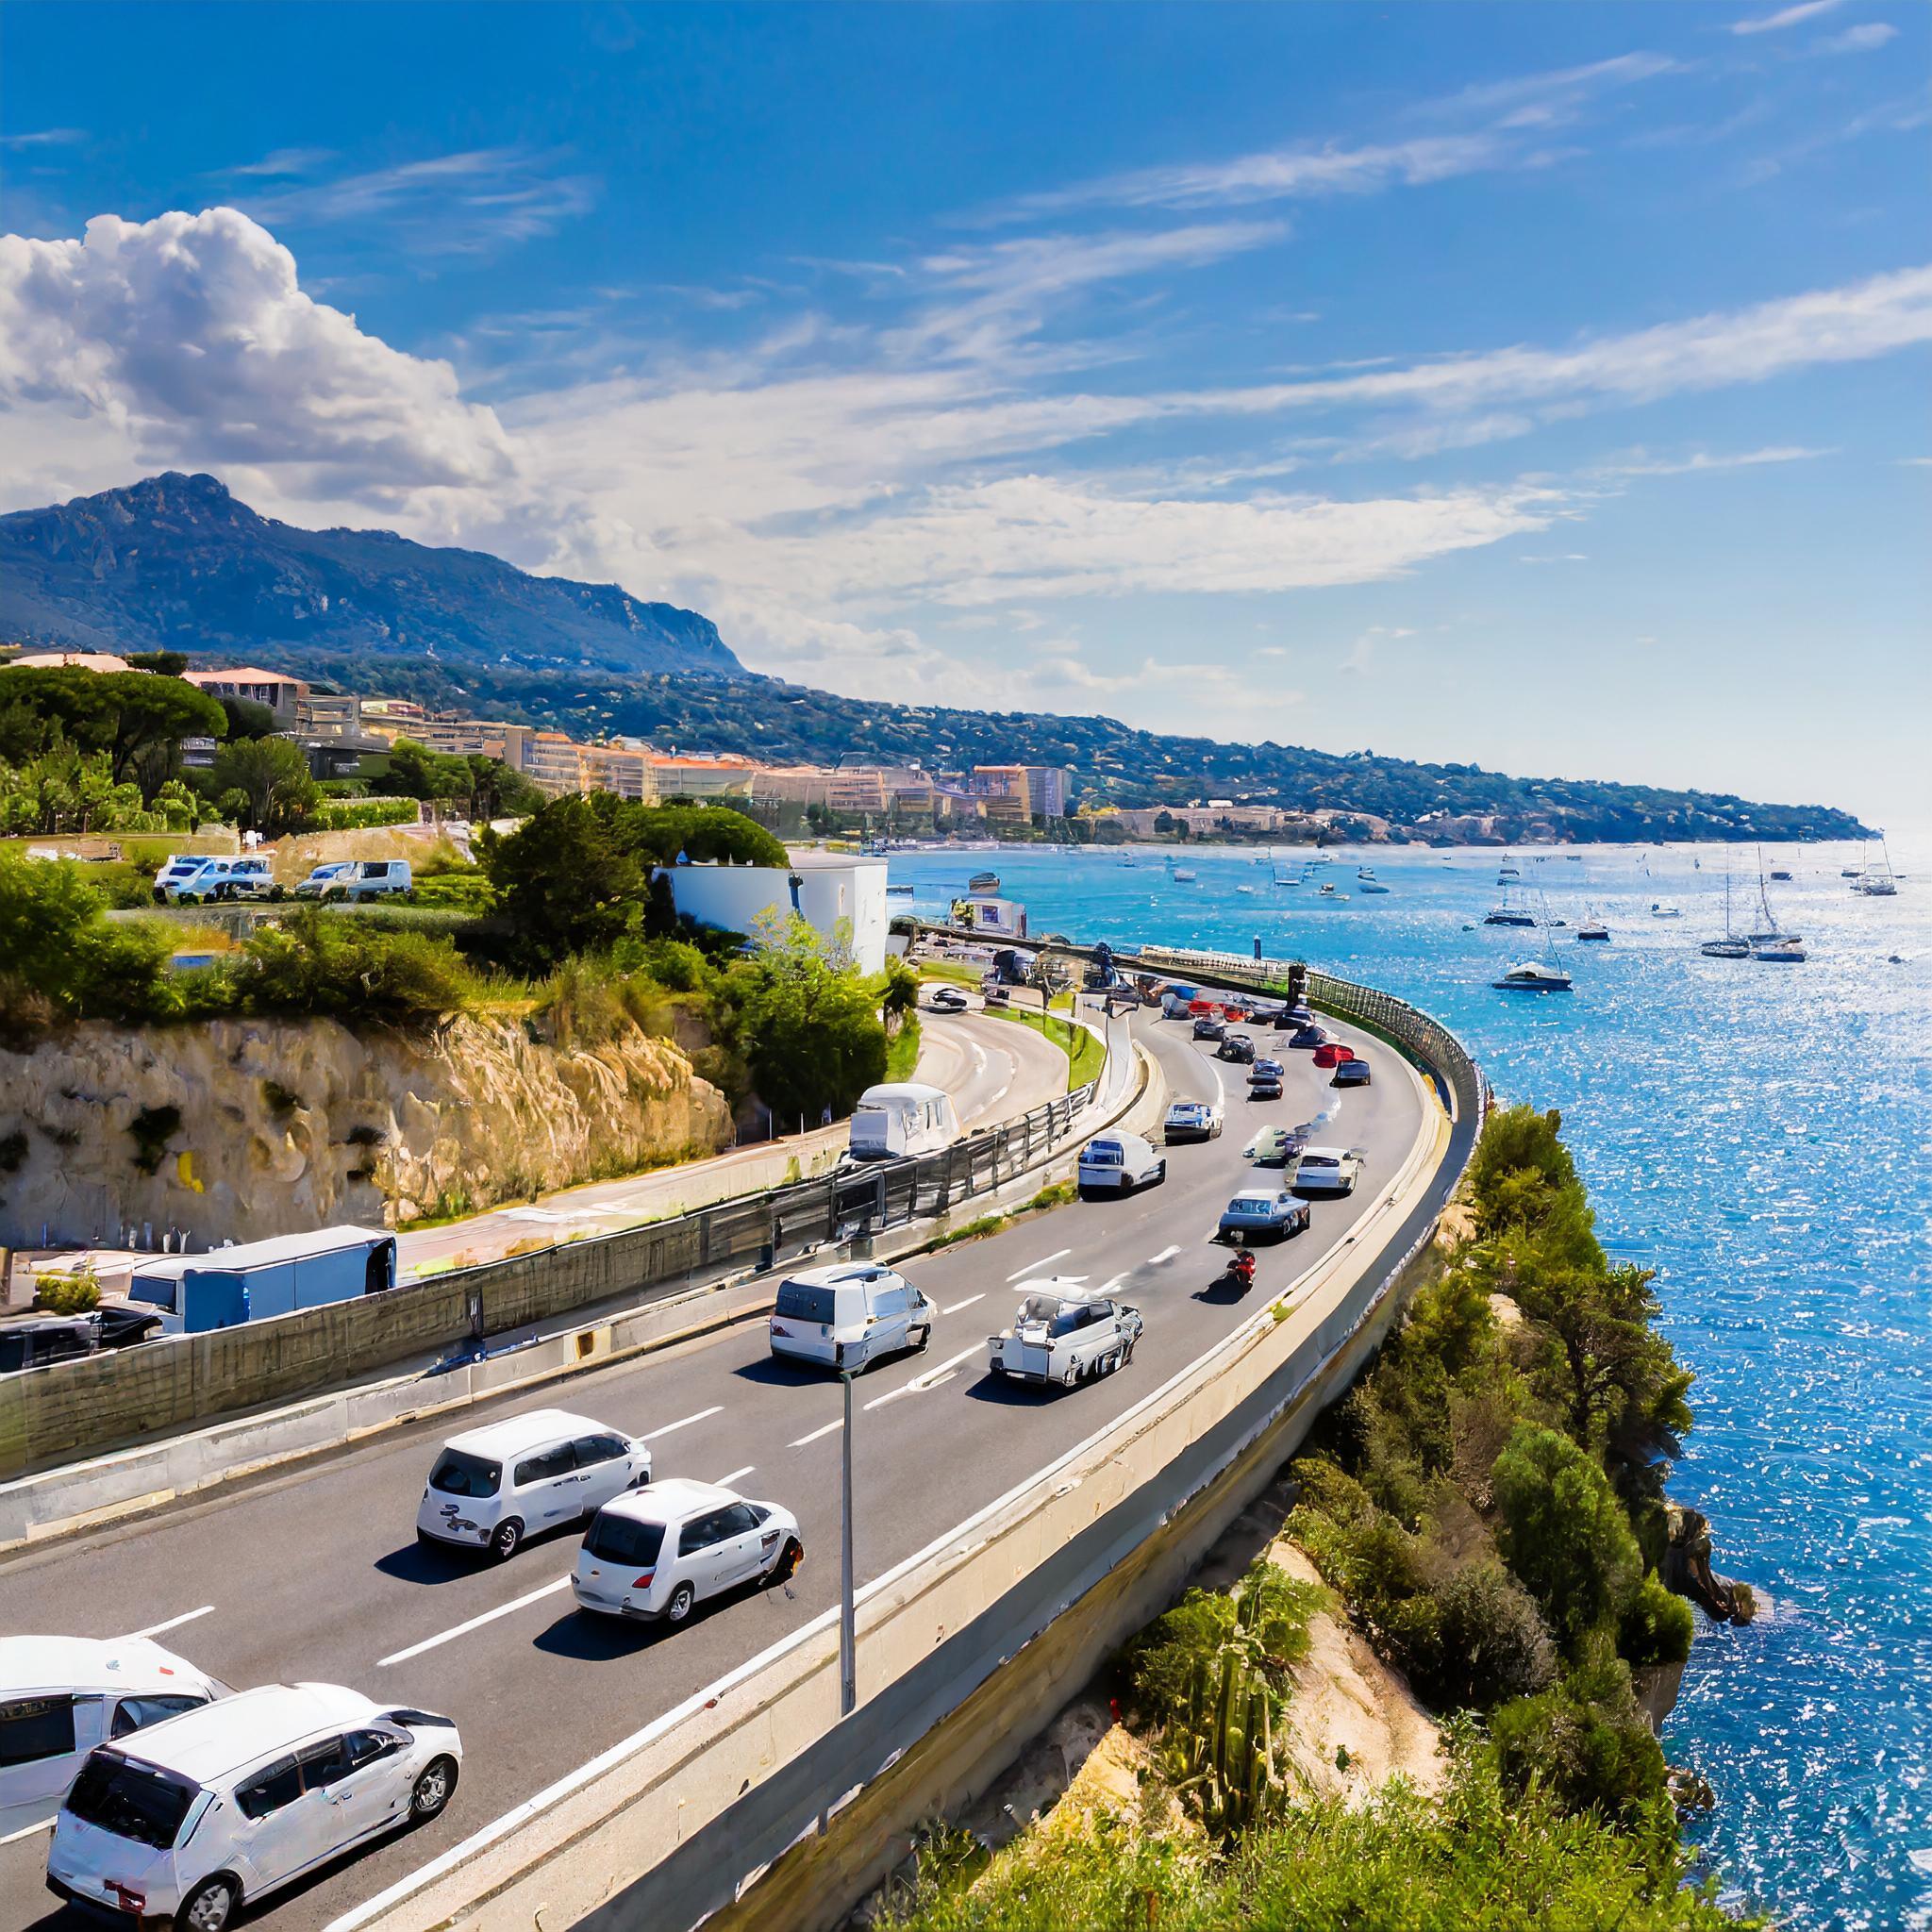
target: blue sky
1537 385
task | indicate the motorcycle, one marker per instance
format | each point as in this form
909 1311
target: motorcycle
1241 1270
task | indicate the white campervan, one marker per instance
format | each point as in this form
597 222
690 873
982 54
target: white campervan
60 1696
848 1314
901 1118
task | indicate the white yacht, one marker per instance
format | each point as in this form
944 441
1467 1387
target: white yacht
1780 952
1331 895
1533 975
1878 882
1731 946
1660 910
1505 914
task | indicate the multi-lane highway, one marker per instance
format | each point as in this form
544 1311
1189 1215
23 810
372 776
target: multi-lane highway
316 1574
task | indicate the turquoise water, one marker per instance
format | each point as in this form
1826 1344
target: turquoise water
1761 1135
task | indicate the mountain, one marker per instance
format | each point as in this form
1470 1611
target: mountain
178 563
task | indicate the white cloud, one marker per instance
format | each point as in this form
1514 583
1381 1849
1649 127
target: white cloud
45 136
1858 40
1641 463
190 337
284 161
1556 89
1787 16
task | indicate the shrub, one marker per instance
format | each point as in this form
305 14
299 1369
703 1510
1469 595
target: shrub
1475 1641
1585 1742
1161 1661
1654 1625
318 963
67 1294
347 814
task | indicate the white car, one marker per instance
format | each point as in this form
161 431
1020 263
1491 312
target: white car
1258 1211
848 1314
1118 1163
180 868
358 879
216 1809
60 1696
1064 1332
1191 1120
659 1552
1328 1170
218 879
493 1487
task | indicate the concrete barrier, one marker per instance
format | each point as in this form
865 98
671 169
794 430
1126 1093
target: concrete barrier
81 1495
665 1827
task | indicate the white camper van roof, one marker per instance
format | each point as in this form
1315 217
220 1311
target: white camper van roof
901 1090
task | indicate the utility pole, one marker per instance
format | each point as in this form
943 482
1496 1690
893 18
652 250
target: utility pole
848 1634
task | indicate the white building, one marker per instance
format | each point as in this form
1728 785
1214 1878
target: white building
830 890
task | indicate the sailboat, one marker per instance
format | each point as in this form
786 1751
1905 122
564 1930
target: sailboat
1879 883
1592 928
1730 946
1769 933
1505 914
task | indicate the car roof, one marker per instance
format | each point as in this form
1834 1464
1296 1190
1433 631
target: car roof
1332 1153
670 1501
90 1664
497 1440
836 1274
1060 1285
1188 1106
233 1733
1269 1194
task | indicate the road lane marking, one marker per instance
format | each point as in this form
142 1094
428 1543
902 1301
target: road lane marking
954 1308
828 1428
928 1378
1034 1267
1108 1287
1165 1254
715 1408
172 1623
475 1622
724 1482
13 1838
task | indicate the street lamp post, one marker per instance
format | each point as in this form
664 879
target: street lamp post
848 1634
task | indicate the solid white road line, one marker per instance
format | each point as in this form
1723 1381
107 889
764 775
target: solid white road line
1165 1254
828 1430
926 1378
724 1482
174 1622
716 1408
1034 1267
13 1838
954 1308
475 1622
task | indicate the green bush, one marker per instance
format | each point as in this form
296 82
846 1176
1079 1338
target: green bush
1473 1641
319 963
349 814
67 1294
466 890
1655 1626
1585 1742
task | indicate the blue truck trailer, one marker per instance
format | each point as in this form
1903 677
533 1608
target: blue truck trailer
193 1293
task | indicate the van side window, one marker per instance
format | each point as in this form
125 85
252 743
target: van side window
269 1790
591 1450
546 1464
888 1301
137 1713
36 1727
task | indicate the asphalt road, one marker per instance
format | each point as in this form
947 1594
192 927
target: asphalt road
316 1575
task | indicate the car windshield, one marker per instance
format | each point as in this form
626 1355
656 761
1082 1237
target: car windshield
1320 1161
460 1473
805 1302
1247 1204
624 1540
132 1800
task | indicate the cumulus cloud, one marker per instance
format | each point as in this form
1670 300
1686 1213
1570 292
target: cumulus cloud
192 336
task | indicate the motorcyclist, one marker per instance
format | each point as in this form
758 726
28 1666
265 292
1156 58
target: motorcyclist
1242 1267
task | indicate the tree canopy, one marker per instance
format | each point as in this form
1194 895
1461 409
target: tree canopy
126 714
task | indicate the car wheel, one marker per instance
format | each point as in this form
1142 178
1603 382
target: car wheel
275 895
187 899
789 1558
432 1790
209 1906
924 1338
679 1608
997 1370
1071 1375
505 1539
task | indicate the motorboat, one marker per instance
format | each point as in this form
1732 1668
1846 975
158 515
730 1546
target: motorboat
983 882
1779 871
1660 910
1374 886
1245 889
1780 952
1331 895
1365 871
1592 930
1533 975
1181 877
1508 915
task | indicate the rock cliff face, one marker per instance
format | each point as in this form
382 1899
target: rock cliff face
248 1128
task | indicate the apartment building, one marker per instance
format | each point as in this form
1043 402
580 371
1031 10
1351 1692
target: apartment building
677 775
281 693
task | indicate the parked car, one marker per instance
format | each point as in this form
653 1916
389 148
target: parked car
1235 1046
1353 1072
848 1314
362 880
219 880
1264 1087
659 1552
1117 1164
1274 1147
60 1696
1328 1170
180 868
493 1487
35 1341
1210 1027
1064 1332
1262 1213
1331 1053
948 999
123 1324
1191 1120
221 1807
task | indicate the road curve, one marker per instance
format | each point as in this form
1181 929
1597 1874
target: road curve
316 1574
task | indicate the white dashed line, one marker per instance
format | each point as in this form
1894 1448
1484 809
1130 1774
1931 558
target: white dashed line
930 1378
174 1622
952 1309
1165 1254
829 1428
724 1482
716 1408
1034 1267
475 1622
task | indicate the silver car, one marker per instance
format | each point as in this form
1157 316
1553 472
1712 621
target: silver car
1262 1213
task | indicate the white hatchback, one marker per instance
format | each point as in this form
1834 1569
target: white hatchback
212 1811
659 1552
1328 1170
493 1487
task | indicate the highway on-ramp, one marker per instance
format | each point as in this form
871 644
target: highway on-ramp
316 1575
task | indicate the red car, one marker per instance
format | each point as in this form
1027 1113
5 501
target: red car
1331 1053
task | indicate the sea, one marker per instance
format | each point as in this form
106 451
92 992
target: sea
1762 1136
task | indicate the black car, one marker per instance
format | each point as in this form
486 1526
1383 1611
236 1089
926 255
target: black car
123 1324
34 1341
1307 1036
1265 1086
1235 1046
1351 1073
1294 1016
1208 1028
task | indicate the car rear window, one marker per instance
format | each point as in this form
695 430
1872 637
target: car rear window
1320 1161
460 1473
1102 1154
624 1540
133 1801
805 1302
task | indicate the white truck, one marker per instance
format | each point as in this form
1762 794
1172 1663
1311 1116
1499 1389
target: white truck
1064 1332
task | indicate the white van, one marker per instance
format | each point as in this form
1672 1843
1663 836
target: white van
60 1696
216 1809
901 1118
358 879
493 1487
849 1314
219 879
1115 1164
